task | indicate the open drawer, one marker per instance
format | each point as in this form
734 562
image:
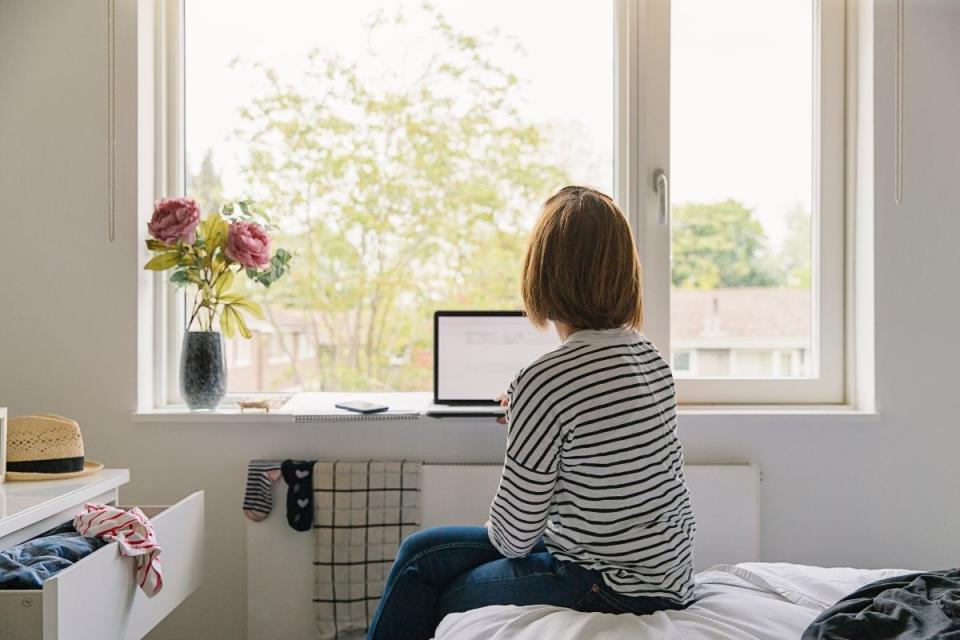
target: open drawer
98 596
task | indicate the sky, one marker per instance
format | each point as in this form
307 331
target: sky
740 81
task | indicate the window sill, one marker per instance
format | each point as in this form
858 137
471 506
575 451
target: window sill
182 414
407 405
832 410
774 416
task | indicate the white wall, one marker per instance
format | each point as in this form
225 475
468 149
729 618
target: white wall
866 492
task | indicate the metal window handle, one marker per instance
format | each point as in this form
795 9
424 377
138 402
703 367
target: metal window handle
662 186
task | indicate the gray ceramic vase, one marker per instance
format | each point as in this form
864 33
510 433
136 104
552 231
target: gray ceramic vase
203 370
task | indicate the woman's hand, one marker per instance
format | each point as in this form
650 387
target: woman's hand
504 402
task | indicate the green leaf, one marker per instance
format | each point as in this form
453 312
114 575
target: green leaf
179 278
241 324
226 322
224 282
214 230
156 245
163 262
234 321
250 307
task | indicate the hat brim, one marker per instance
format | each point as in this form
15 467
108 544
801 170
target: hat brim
89 466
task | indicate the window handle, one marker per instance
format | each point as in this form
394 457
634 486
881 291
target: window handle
662 186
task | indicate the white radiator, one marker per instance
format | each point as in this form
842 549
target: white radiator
280 572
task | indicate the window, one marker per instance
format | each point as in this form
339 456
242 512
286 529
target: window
278 349
306 350
744 267
404 148
681 362
239 353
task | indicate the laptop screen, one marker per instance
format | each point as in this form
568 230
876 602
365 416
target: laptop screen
477 354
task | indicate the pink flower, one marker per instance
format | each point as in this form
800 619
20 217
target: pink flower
248 244
174 219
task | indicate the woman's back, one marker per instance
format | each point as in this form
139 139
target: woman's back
593 450
591 512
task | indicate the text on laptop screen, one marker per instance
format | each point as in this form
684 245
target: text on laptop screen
478 356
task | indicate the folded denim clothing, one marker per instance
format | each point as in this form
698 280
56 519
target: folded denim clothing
28 564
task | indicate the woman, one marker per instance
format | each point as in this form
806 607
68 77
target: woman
592 512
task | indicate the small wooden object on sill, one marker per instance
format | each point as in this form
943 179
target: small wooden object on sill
262 404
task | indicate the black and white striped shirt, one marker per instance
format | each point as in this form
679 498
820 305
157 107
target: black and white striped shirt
593 464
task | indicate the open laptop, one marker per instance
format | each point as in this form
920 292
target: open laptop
476 355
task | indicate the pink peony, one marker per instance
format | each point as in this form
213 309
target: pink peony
174 219
248 244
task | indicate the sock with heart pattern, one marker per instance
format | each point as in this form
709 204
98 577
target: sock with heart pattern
299 477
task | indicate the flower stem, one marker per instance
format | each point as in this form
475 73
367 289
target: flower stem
196 309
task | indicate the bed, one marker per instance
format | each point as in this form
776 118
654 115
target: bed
746 601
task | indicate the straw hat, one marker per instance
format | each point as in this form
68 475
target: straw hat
46 447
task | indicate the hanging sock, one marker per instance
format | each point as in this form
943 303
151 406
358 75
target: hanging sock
258 498
299 477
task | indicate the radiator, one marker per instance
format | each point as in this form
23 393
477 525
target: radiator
279 560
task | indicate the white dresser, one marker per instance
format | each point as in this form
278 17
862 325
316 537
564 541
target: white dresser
98 596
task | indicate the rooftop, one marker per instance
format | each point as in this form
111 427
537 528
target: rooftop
748 312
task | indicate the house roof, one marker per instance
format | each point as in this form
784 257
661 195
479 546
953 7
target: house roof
748 312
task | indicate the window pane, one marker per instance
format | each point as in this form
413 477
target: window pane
403 151
741 131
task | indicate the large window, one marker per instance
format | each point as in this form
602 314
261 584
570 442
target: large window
756 173
741 157
403 149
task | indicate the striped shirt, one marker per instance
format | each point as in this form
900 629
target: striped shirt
594 466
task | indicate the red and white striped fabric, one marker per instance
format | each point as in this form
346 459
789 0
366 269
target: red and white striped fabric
133 531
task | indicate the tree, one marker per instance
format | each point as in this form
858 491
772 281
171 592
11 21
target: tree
398 197
720 244
205 185
795 252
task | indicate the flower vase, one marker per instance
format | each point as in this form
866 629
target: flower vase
203 370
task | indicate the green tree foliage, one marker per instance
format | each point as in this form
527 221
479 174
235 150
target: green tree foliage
397 196
720 244
205 185
795 252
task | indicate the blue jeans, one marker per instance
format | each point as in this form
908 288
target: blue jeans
448 569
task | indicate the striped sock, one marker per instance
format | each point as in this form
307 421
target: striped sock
258 499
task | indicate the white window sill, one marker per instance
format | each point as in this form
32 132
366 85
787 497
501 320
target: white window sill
775 410
319 408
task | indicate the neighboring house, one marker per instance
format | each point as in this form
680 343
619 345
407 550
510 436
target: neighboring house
743 332
281 355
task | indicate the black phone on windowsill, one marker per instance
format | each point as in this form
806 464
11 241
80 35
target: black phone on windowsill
359 406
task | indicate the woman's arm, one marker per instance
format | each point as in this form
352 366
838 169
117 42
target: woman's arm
518 515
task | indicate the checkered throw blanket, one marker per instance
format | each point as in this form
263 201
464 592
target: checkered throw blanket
363 510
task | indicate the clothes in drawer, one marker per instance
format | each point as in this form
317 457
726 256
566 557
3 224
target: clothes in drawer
101 589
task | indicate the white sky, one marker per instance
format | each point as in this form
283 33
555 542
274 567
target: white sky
741 78
741 104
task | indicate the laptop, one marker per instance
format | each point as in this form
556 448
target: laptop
476 355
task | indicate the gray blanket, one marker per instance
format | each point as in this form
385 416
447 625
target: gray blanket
916 606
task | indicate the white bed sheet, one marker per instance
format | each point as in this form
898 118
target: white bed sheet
747 601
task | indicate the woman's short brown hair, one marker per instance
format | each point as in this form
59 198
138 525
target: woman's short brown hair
581 266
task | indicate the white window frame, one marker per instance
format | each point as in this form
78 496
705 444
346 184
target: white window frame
641 146
170 167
